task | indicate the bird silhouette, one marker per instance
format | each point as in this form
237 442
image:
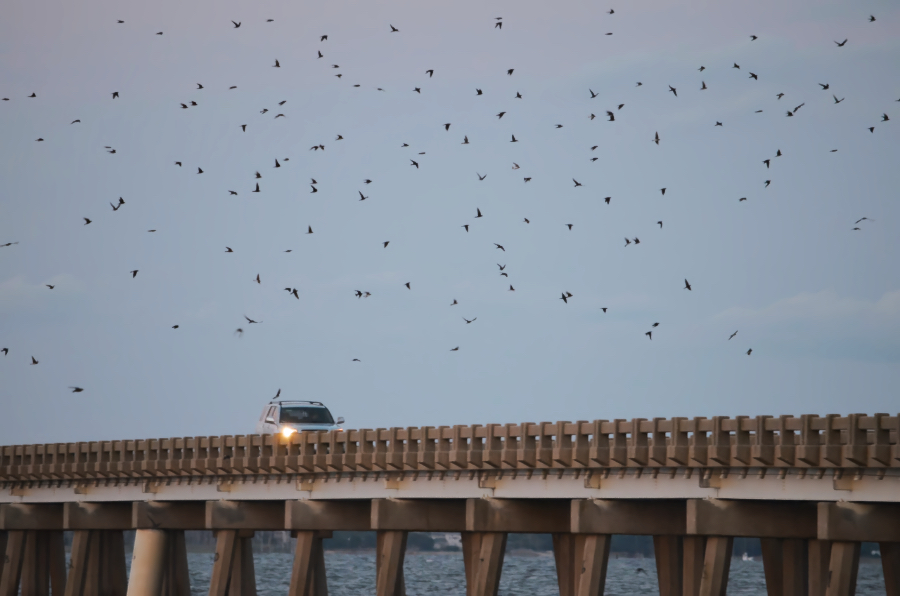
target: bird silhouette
687 286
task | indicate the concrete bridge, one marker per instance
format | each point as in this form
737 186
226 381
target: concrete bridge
811 488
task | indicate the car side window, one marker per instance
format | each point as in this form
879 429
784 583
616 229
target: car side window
271 412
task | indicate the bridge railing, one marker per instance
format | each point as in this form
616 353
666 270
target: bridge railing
809 441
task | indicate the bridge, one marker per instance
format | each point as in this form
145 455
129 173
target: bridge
812 488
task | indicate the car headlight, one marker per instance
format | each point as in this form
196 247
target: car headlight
287 431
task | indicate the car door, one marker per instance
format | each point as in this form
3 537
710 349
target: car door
270 421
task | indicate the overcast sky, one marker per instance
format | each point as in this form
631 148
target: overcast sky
816 301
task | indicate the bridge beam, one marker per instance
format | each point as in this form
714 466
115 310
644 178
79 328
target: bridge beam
28 516
245 515
630 517
539 516
419 515
161 515
758 519
349 515
97 516
859 522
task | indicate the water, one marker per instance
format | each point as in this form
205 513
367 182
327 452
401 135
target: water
524 573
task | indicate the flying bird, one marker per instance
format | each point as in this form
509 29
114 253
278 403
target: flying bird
134 273
277 64
577 183
687 285
76 389
86 221
730 337
840 44
656 138
468 320
748 351
33 361
251 321
500 247
672 89
394 29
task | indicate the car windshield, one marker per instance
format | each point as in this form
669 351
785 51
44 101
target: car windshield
305 415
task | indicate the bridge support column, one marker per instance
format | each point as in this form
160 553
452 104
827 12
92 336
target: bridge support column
786 564
716 564
308 573
843 568
159 564
581 561
890 563
36 560
147 562
483 554
693 552
98 564
819 555
3 538
669 552
233 572
390 552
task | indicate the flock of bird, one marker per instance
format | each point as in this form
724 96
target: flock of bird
565 295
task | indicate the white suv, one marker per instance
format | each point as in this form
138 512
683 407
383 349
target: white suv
288 417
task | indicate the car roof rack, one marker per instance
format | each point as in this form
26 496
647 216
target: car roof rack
293 401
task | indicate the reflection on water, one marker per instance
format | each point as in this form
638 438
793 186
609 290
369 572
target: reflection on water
526 574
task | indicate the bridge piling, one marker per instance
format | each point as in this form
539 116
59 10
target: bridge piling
693 552
843 569
669 553
390 553
147 563
716 565
12 570
308 571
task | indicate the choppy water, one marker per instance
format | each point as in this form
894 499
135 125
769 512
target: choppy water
353 574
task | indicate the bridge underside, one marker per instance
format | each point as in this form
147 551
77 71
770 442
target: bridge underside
809 547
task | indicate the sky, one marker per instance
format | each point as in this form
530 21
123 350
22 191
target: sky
817 301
